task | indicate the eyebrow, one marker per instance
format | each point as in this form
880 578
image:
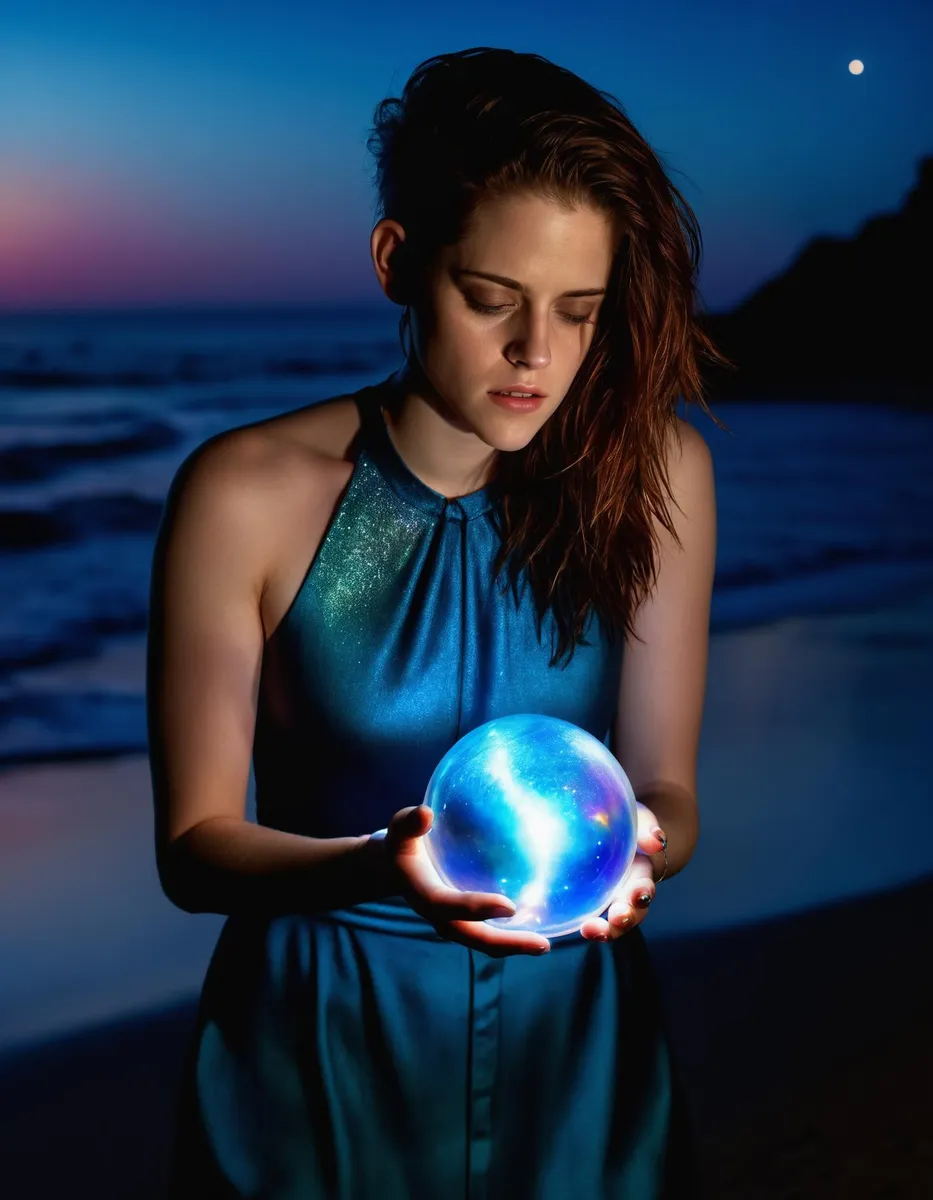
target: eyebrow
520 287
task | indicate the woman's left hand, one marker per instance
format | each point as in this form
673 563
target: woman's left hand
630 903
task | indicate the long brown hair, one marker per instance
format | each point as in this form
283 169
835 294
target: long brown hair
578 502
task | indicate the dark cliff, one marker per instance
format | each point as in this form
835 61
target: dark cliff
850 318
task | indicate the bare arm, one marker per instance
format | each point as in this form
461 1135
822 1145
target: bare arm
663 683
204 656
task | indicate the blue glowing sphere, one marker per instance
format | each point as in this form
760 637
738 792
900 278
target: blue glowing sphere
536 809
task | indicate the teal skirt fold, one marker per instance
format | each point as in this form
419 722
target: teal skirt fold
357 1055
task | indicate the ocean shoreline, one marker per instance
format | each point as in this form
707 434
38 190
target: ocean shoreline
909 594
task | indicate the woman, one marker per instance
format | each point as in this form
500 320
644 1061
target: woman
362 1032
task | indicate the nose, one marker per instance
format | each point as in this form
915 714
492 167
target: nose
531 348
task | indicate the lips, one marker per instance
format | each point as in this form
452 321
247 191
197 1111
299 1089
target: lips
518 404
520 387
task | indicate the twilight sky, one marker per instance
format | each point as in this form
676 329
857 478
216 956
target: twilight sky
214 152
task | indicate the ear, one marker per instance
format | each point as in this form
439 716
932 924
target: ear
391 260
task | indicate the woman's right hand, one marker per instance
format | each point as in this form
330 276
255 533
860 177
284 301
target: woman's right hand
457 916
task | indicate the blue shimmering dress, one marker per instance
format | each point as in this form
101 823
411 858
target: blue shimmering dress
354 1054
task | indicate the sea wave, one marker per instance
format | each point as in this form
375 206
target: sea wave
822 561
68 521
33 460
32 373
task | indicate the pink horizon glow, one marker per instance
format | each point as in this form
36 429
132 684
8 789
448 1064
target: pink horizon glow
77 240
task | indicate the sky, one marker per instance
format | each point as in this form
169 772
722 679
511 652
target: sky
187 153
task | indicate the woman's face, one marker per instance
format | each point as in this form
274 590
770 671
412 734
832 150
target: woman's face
536 334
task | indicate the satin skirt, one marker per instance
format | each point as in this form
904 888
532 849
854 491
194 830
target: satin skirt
357 1055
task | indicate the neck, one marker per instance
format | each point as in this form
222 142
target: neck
435 447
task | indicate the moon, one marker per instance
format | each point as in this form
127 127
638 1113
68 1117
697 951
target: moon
856 66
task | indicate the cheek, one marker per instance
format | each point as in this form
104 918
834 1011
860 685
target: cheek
454 329
554 410
464 343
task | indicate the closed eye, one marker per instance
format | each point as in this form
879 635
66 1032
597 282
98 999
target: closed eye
572 318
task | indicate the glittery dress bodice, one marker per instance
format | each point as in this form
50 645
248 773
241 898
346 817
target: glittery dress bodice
399 641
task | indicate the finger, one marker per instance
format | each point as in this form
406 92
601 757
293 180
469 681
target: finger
451 905
651 837
610 927
431 892
495 941
595 929
638 888
621 917
408 825
641 898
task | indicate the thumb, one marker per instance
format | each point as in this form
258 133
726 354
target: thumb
411 822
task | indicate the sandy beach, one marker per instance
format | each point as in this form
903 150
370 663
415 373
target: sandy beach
789 951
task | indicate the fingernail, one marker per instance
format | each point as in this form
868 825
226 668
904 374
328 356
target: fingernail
621 922
643 900
660 835
542 950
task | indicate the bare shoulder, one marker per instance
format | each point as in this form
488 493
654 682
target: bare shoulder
689 466
688 452
249 506
285 449
259 472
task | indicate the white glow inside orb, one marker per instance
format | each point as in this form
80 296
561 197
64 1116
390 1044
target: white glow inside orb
544 833
856 66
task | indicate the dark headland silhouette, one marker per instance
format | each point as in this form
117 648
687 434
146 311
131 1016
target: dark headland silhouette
849 319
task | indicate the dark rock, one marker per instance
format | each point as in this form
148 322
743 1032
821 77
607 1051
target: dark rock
849 319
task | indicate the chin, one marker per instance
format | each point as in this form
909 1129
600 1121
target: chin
508 435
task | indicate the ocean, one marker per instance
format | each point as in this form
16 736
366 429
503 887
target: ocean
821 507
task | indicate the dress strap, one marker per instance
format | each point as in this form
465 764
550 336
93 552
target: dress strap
368 400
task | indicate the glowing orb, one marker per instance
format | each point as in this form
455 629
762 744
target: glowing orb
856 67
536 809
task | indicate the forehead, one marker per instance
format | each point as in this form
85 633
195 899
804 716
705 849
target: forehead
528 232
537 241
